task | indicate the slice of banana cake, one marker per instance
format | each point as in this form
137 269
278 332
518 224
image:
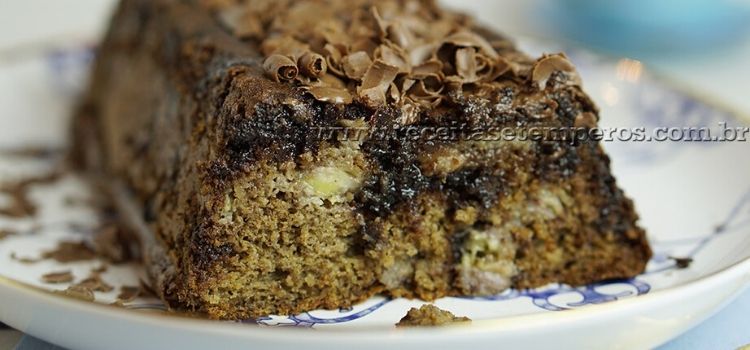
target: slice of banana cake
293 155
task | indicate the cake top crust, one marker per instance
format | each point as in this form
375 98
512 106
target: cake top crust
405 53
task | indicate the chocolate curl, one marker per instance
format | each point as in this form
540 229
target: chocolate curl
376 82
548 65
466 38
466 64
425 89
333 59
280 68
312 65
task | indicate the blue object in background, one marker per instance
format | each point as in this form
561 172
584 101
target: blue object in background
729 329
644 27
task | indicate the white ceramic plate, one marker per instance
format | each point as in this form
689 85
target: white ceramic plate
693 197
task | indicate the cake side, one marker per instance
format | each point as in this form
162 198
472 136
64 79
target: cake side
257 212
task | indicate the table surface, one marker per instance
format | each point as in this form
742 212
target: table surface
724 77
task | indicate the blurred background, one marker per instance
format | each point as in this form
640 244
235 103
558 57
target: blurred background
702 44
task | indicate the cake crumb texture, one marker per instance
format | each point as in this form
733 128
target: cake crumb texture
429 315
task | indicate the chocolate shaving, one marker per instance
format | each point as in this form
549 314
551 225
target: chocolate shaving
285 46
465 38
365 45
376 82
332 32
333 60
280 68
95 283
20 204
78 292
356 64
426 69
400 35
386 52
423 89
466 64
393 57
500 67
58 277
548 65
68 251
18 193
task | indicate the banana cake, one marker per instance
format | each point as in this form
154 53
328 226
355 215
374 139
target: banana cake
292 155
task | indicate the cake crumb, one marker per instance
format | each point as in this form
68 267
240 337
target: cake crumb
682 263
429 315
